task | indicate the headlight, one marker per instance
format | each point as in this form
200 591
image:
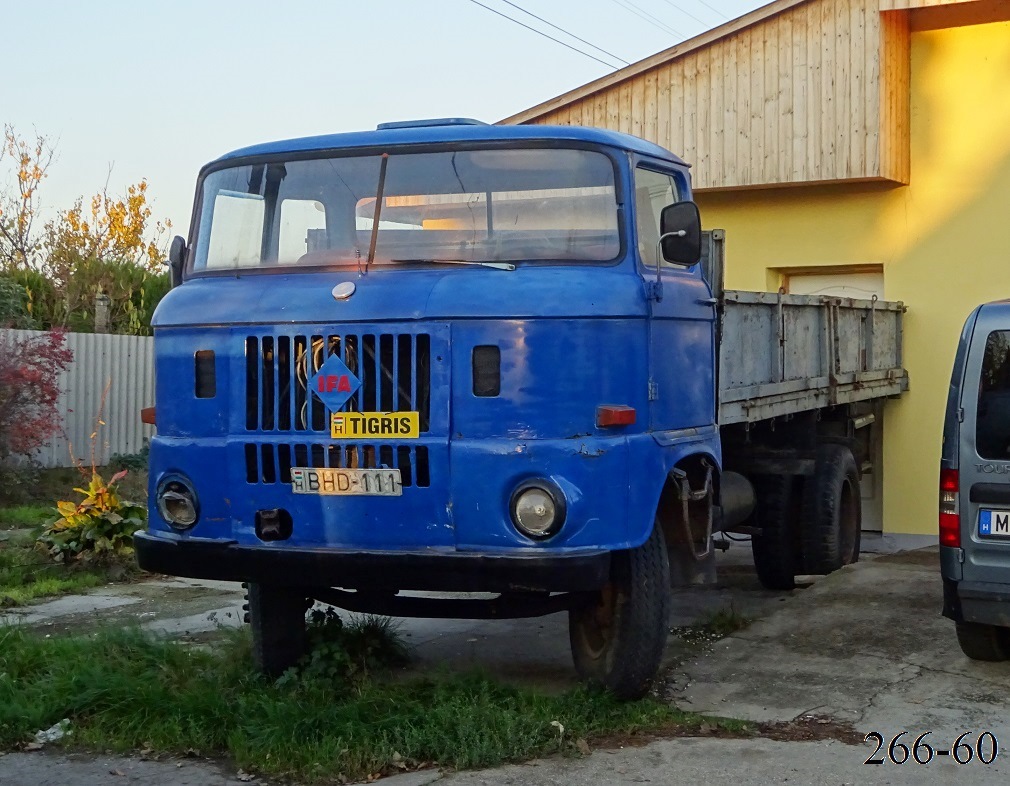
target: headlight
537 508
177 502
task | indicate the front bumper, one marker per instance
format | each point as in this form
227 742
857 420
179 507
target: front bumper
977 601
431 570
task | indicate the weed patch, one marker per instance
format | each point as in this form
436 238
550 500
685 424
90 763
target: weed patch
124 690
347 653
713 626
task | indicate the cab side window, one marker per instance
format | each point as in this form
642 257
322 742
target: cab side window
653 191
992 418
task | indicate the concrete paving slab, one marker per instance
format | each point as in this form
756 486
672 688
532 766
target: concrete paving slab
69 605
173 606
866 645
753 762
52 769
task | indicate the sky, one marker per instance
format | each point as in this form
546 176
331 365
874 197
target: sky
156 89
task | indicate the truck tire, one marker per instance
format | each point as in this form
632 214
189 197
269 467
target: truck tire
776 547
832 516
618 638
983 642
277 618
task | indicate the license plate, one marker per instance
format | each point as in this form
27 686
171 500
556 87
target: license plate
385 425
994 523
349 482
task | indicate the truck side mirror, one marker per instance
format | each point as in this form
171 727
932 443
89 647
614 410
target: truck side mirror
176 259
680 234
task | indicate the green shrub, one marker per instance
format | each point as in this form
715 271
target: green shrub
99 527
135 462
14 308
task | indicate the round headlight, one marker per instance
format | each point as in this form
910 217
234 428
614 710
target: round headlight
538 509
177 503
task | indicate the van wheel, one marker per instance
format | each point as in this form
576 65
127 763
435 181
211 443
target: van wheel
776 546
983 642
618 637
277 618
832 512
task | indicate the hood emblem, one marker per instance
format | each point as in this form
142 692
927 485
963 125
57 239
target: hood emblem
343 290
334 383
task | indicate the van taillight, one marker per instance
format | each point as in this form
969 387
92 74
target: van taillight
950 520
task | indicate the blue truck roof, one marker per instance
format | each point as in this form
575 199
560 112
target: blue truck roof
452 130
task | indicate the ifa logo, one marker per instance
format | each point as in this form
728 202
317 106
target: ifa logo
329 383
334 383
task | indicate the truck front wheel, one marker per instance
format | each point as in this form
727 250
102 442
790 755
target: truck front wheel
277 619
619 636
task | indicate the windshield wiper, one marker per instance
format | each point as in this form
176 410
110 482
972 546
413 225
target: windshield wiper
494 265
378 210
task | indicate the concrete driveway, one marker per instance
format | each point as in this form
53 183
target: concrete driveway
864 648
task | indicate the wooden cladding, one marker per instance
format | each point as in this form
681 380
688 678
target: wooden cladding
905 5
808 92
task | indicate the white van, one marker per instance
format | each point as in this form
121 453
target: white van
975 487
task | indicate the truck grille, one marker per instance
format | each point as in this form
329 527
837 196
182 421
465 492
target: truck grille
269 463
394 369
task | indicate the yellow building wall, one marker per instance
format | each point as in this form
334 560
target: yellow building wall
943 240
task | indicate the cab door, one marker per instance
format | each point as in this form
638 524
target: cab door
681 313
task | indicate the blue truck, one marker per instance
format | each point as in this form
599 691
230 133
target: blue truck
451 369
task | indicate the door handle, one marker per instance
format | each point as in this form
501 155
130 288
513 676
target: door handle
992 493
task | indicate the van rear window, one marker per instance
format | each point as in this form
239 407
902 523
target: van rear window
992 418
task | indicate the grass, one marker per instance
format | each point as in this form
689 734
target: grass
27 574
29 516
123 690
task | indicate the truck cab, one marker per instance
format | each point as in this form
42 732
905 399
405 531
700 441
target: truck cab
448 357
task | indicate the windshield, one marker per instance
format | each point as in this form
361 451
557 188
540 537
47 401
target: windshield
467 205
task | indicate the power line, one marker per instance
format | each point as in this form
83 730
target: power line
642 14
542 33
716 10
561 29
685 12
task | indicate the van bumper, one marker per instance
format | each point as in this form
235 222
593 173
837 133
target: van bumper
431 570
977 601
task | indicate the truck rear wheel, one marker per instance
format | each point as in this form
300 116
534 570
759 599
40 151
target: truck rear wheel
277 619
776 547
618 638
983 642
832 517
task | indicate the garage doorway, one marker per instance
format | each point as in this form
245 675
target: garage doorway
860 283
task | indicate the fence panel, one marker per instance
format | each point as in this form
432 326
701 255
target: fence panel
124 364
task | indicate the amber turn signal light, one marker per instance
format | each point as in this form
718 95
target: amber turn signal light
610 415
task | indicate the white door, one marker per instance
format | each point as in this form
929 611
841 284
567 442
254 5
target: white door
855 285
